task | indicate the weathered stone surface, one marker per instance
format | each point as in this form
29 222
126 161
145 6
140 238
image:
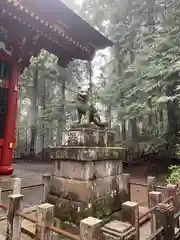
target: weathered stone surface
80 170
90 228
45 217
72 189
84 125
87 153
74 211
86 190
88 137
117 230
87 178
68 210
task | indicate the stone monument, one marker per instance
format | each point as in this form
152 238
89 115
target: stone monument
87 174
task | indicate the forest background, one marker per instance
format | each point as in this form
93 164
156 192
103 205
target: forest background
135 84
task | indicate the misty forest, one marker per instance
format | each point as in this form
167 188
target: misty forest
135 84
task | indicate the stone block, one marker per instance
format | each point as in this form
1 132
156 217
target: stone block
74 211
117 230
90 170
87 153
77 170
72 189
88 137
90 228
86 191
68 210
45 217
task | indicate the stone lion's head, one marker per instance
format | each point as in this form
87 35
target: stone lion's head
83 93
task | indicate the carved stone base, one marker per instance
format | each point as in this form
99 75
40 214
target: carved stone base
86 153
84 136
87 174
84 125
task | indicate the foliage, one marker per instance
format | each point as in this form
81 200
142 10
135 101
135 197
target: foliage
174 174
143 69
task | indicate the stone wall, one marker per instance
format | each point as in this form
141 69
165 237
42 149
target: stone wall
87 176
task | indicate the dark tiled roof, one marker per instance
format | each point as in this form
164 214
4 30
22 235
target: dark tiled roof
65 33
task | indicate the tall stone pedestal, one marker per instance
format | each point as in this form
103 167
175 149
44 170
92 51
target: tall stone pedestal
87 179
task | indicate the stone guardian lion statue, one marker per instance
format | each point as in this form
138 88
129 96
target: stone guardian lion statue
85 107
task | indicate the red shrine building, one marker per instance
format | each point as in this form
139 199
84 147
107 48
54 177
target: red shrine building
26 27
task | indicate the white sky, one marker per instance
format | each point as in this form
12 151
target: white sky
79 1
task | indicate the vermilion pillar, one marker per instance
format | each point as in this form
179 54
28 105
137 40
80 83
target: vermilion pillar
10 121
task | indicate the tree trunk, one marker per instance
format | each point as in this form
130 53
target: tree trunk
150 30
123 130
173 116
150 8
62 114
161 121
34 112
108 115
43 138
150 117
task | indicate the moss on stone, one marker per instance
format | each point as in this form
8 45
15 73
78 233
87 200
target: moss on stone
100 208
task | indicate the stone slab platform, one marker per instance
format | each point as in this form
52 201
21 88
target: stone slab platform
88 170
84 153
86 191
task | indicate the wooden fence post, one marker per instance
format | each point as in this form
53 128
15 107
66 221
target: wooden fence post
178 200
130 214
0 195
164 214
56 236
46 188
154 199
171 192
16 185
1 210
45 217
90 228
126 184
178 185
13 231
151 186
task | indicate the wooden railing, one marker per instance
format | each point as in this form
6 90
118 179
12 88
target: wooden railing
44 229
162 214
